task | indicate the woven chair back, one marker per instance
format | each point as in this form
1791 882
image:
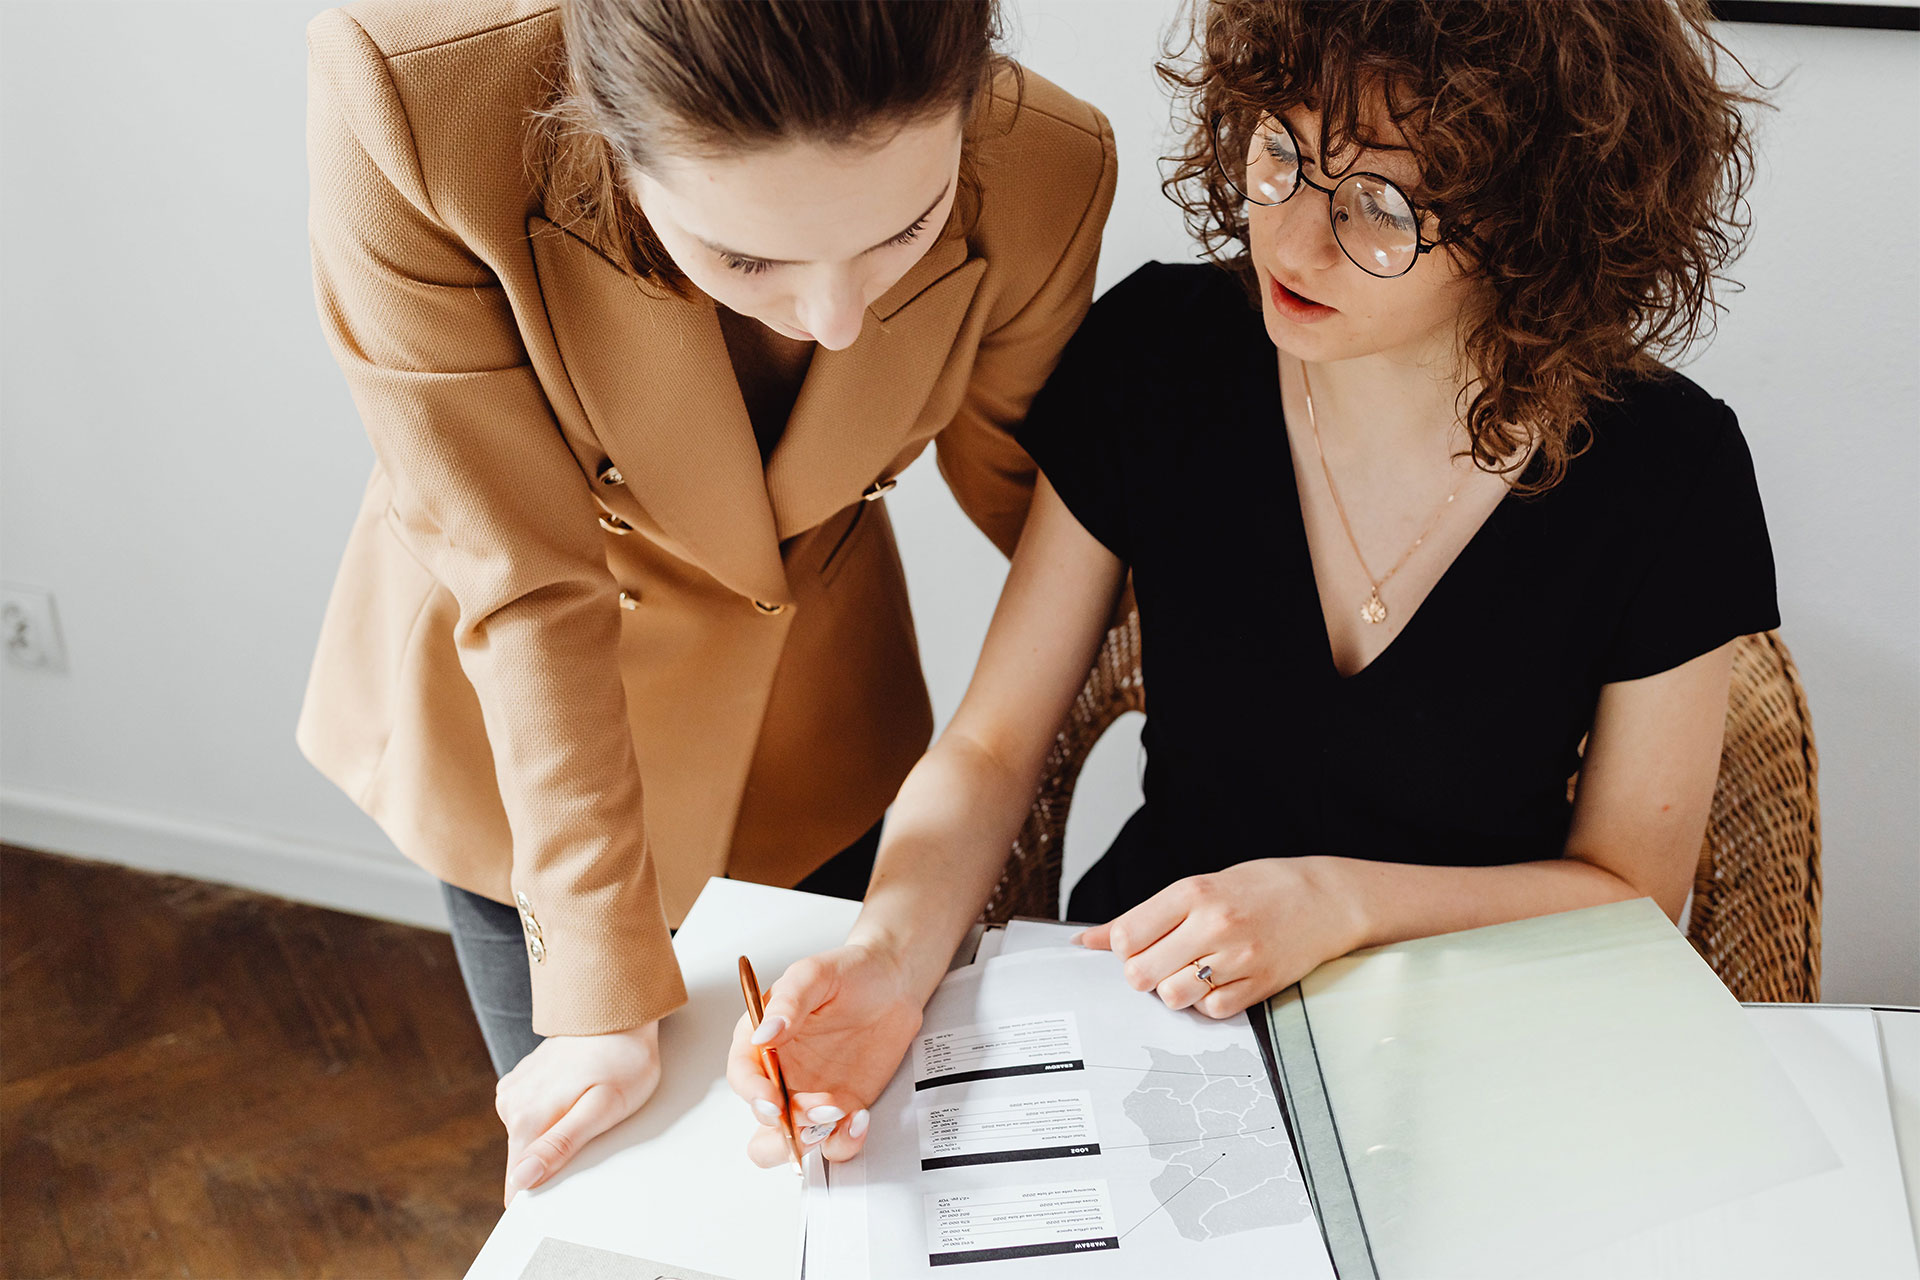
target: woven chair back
1755 914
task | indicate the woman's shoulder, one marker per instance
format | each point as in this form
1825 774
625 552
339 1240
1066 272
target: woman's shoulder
1167 322
438 95
1676 513
1045 168
1029 111
1663 443
1663 399
1167 342
399 27
1663 418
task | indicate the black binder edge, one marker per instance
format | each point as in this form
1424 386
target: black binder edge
1288 1037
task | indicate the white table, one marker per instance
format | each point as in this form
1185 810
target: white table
673 1184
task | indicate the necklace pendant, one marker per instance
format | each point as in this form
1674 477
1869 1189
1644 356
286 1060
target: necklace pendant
1374 610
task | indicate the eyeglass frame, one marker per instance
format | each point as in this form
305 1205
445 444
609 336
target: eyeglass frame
1420 243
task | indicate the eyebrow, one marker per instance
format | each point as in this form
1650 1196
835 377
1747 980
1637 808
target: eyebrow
725 252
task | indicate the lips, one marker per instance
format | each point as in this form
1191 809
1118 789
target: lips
1293 304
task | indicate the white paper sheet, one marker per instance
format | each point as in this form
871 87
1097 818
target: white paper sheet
1051 1121
835 1240
1846 1222
1036 935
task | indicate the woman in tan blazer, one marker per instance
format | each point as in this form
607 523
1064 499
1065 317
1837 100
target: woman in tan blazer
644 306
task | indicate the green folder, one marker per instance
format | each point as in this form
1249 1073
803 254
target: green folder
1490 1102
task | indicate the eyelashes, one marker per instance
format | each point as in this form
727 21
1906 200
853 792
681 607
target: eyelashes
759 266
1381 216
911 233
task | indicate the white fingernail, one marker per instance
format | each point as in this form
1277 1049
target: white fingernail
526 1173
815 1132
858 1125
766 1111
826 1115
767 1030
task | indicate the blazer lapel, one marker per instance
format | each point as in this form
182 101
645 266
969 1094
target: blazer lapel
653 378
858 406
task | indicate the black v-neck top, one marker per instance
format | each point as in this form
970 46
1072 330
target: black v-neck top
1162 430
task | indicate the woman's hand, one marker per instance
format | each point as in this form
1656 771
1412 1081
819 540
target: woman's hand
1260 925
841 1021
568 1091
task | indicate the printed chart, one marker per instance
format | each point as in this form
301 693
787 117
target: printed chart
1055 1122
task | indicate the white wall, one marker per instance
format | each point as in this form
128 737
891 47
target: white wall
1821 358
179 460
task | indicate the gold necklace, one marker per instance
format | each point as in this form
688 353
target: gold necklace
1375 609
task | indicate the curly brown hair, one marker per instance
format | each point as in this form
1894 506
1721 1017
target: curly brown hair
1581 158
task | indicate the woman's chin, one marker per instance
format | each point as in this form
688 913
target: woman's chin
1316 345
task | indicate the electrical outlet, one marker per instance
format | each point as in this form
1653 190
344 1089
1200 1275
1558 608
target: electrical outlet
29 629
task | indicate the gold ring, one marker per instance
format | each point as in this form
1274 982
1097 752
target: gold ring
1205 974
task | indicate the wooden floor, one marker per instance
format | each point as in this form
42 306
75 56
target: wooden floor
197 1081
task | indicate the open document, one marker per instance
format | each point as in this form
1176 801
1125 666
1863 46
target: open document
1053 1121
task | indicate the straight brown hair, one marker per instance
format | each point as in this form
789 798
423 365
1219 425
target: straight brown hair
642 79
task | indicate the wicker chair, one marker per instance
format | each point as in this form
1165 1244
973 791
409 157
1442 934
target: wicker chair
1756 892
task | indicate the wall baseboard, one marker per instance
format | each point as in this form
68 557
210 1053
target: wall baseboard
364 882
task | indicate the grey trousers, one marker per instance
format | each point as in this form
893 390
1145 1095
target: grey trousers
493 953
493 961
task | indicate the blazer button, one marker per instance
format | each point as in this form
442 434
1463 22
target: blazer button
610 474
629 600
770 610
614 524
879 489
530 925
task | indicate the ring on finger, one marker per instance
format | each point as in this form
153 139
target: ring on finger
1204 972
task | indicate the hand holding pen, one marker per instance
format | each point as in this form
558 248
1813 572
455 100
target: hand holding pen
770 1062
838 1024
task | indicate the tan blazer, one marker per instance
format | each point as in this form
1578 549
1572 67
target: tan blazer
571 584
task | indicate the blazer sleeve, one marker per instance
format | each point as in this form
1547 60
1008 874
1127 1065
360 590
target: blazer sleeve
990 475
493 503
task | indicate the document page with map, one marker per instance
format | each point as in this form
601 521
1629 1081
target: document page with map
1053 1121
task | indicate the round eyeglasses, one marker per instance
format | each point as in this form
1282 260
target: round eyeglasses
1374 223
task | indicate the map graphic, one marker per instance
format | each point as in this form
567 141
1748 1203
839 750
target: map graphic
1213 1122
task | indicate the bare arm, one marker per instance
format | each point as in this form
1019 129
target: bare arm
841 1020
948 833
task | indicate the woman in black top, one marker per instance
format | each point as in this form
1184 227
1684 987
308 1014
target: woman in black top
1280 721
1410 510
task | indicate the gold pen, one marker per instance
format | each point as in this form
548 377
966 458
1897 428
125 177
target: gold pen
750 988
